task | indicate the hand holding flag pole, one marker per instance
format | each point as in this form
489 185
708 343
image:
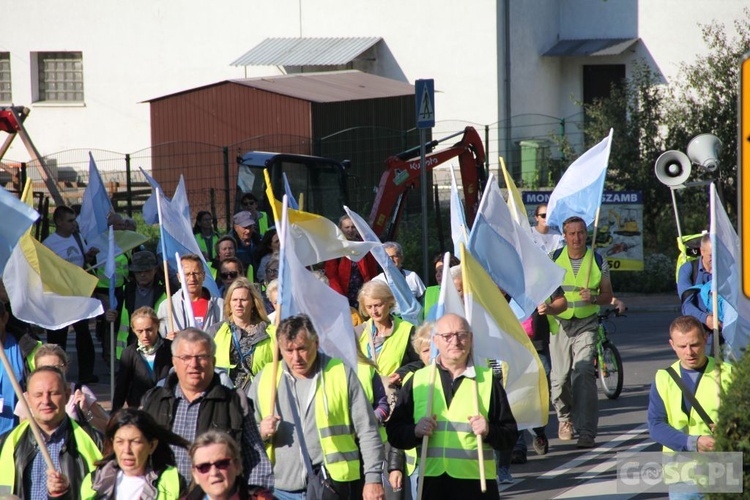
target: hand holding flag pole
170 313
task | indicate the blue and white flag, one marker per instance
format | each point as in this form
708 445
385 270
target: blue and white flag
150 210
301 292
509 255
289 196
725 248
17 218
579 192
95 207
409 307
459 228
177 236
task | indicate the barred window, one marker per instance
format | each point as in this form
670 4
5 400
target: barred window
5 91
60 76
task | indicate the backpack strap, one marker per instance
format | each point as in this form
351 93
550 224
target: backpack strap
690 397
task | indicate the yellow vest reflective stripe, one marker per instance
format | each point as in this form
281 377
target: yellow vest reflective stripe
121 272
168 486
452 448
124 331
332 418
262 355
572 285
708 393
393 349
87 448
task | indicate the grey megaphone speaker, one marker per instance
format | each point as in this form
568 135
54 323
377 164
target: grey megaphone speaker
672 168
703 150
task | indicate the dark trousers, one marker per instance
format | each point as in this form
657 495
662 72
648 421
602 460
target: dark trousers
450 488
84 346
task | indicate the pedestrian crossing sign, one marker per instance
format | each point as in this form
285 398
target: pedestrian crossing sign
424 92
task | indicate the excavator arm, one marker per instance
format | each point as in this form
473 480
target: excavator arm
403 174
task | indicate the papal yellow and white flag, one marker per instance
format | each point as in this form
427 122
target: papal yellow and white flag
43 288
515 202
498 335
317 238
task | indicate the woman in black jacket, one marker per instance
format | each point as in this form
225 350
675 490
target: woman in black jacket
144 363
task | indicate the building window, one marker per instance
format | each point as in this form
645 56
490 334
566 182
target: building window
5 93
60 76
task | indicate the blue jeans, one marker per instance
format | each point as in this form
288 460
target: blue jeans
290 495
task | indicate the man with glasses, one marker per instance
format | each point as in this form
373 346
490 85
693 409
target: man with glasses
207 310
452 467
193 400
544 236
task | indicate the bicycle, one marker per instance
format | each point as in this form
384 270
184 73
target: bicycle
608 361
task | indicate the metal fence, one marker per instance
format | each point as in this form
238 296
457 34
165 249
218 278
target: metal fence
530 145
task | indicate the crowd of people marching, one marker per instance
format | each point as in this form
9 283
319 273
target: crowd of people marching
201 410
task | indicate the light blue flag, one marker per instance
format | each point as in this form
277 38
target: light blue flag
150 211
17 218
177 236
290 197
180 200
510 257
408 305
579 192
95 207
725 248
110 269
459 229
301 292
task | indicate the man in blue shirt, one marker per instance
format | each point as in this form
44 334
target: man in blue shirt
696 273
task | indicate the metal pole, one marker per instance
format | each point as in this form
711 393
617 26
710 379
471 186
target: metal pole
227 210
129 185
423 176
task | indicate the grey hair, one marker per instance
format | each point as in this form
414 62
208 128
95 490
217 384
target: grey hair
216 437
395 246
292 326
456 272
192 336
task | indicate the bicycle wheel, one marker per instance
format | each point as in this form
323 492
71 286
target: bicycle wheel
610 373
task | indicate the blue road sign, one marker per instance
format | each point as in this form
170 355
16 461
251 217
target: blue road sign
424 92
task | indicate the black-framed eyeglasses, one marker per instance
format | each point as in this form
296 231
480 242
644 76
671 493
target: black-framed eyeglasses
230 275
543 216
461 335
200 358
205 468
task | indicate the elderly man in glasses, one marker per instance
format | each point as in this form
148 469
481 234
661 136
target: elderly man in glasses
193 400
452 467
207 310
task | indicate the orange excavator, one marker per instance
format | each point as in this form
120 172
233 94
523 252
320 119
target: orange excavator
402 173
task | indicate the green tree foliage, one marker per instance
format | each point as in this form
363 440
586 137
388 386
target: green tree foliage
733 426
650 117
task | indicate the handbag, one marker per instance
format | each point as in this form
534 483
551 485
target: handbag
319 484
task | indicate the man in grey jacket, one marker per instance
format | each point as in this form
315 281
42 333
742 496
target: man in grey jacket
206 309
323 397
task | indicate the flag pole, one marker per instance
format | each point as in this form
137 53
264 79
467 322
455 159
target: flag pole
715 284
282 249
426 439
170 314
25 405
480 443
593 244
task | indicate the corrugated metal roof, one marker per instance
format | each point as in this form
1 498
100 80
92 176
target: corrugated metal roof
590 47
330 86
306 51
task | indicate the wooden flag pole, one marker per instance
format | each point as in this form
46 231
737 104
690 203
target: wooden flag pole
170 314
25 405
426 439
480 443
593 245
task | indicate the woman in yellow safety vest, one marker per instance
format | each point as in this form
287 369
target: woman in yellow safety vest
243 340
384 338
138 461
205 234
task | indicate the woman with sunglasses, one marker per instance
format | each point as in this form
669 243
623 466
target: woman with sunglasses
544 236
243 345
138 461
217 466
230 269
